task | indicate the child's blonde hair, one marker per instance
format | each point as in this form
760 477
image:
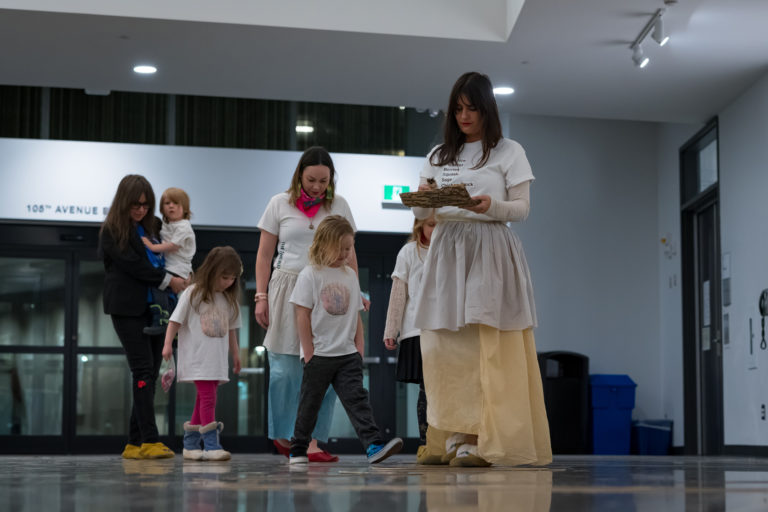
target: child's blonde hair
417 235
220 261
177 196
326 246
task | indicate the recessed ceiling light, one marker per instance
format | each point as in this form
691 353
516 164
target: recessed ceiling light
144 70
305 129
503 90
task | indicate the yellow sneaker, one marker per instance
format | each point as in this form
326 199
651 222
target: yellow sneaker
155 451
425 458
131 451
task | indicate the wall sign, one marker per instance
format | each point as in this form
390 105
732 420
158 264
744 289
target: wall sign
50 180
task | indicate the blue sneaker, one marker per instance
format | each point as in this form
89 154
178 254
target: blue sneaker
378 452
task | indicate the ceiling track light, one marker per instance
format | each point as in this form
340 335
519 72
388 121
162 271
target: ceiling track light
639 58
655 27
658 34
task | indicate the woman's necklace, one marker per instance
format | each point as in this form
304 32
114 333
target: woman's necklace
311 225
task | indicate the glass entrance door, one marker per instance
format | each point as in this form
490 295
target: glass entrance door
33 350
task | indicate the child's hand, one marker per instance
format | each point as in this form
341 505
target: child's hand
366 304
236 364
390 343
146 241
167 352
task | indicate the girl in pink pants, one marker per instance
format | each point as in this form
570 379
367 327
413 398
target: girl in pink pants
206 320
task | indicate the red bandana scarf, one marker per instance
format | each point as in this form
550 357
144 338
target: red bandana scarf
309 206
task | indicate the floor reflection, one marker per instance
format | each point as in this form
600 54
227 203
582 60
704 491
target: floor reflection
267 482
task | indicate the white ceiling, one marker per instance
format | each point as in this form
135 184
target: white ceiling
563 57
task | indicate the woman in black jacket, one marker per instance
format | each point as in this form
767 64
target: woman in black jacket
128 276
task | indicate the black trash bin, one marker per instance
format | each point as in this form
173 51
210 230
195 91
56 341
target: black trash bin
565 378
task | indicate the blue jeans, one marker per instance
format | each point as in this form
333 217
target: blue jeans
285 375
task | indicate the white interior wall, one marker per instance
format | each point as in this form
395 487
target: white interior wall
592 244
743 132
670 340
744 211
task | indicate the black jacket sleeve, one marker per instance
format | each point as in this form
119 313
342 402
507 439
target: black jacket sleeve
128 275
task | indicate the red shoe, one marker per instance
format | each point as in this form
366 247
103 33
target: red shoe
282 450
322 456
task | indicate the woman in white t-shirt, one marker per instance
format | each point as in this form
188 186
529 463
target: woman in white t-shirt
288 226
476 311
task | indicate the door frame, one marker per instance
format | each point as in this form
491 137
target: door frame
693 203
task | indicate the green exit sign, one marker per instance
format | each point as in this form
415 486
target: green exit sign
392 192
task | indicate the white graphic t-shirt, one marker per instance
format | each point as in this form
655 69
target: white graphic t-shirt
292 229
506 167
204 338
333 295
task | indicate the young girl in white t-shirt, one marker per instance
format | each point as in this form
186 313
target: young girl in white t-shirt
401 327
206 320
178 247
327 302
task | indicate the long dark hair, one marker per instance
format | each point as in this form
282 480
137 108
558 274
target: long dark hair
118 221
315 155
477 90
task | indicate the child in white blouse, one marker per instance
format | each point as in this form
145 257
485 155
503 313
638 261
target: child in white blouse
177 247
400 327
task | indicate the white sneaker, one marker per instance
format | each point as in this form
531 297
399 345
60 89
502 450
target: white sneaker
298 459
192 454
216 455
452 445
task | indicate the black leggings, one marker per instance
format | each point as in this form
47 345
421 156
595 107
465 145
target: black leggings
144 354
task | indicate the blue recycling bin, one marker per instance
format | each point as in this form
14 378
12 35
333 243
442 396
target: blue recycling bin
613 398
652 437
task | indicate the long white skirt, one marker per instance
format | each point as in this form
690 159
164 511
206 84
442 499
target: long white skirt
282 336
475 273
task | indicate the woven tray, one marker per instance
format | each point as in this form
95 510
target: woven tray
450 195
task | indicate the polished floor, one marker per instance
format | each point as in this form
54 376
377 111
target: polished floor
267 482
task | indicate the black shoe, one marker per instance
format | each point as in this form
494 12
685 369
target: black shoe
298 456
159 320
155 330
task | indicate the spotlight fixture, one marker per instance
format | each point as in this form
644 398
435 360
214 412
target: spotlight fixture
655 27
658 34
639 58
